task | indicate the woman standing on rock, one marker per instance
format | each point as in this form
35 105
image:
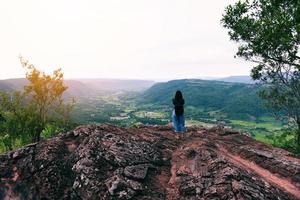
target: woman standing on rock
178 112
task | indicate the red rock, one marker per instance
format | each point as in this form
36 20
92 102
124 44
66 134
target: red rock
148 162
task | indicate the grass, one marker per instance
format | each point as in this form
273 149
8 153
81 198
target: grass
198 123
263 138
17 144
150 114
270 126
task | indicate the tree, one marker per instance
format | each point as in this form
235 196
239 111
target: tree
18 121
46 94
39 109
268 33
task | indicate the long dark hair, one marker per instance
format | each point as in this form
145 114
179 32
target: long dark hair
178 95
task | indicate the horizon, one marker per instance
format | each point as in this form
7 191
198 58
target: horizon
136 39
154 80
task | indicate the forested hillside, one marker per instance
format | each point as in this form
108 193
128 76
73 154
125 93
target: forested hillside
237 100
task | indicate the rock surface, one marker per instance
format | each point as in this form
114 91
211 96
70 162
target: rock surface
148 162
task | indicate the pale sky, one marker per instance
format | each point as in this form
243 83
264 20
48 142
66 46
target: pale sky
140 39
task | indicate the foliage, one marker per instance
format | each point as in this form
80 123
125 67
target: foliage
132 110
237 100
286 139
39 110
268 32
18 119
50 130
45 93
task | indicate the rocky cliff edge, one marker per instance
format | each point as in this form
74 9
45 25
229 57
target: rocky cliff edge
149 162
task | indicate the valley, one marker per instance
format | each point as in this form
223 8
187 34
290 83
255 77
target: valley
130 103
127 109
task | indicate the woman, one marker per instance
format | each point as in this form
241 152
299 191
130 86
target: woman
178 113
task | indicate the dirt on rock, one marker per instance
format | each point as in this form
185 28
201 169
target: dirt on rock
149 162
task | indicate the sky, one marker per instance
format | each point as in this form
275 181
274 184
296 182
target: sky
132 39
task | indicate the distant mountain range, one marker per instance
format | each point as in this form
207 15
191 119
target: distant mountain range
117 84
12 84
230 79
233 95
237 79
82 87
87 86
